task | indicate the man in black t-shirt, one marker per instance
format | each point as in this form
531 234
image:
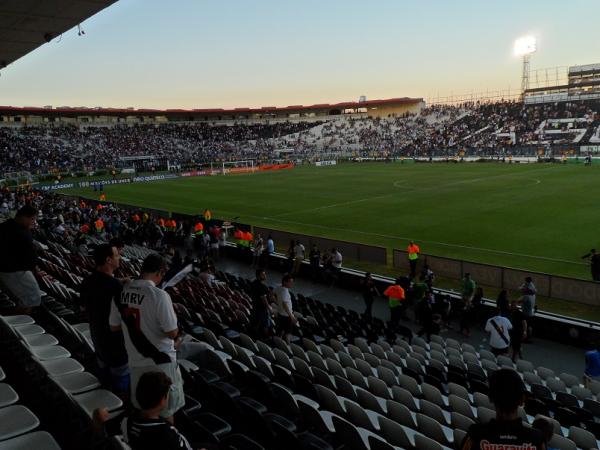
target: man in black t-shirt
144 429
261 308
507 392
97 293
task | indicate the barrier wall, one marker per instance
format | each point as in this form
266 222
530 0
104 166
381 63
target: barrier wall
582 291
349 250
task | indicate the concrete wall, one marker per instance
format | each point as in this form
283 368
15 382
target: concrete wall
581 291
349 250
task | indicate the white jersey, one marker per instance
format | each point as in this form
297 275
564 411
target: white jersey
153 315
283 298
504 326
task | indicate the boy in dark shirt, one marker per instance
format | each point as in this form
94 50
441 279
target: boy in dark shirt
507 392
261 309
145 429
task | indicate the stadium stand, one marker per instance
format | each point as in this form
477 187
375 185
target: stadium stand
345 380
490 129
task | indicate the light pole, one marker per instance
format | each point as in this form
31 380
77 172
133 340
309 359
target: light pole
524 47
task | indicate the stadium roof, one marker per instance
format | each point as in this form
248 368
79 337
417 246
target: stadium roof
27 24
264 109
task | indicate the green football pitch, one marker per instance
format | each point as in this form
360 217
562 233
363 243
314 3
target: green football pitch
540 217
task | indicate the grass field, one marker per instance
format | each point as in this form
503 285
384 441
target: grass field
538 217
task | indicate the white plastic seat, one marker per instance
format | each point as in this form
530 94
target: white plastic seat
50 352
78 382
8 396
98 398
29 330
16 420
63 366
40 340
18 320
38 440
82 327
2 374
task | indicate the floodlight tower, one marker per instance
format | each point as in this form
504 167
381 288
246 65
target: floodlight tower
525 47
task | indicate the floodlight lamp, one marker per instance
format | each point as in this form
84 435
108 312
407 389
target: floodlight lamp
525 46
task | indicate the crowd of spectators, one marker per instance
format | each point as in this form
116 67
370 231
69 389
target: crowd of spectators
500 128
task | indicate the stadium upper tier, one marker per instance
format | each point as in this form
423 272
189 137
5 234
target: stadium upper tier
502 128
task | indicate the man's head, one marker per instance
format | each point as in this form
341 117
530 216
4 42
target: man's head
261 274
26 216
528 280
152 391
153 268
593 251
107 258
117 242
545 427
514 305
467 276
507 390
287 281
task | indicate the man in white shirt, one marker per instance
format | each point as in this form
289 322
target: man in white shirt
498 328
150 330
285 316
298 258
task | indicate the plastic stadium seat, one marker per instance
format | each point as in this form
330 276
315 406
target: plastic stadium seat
18 320
460 405
425 443
361 417
377 444
582 438
63 366
78 382
8 396
98 398
16 420
545 373
401 414
29 330
460 421
2 374
50 352
562 443
352 437
41 340
484 415
569 380
38 440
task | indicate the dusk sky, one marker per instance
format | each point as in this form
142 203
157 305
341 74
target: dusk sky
237 53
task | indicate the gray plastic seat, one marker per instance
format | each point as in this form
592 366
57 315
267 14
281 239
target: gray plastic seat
38 440
405 397
378 387
422 442
582 438
373 360
387 376
545 373
63 366
435 412
324 379
364 367
78 382
353 438
461 422
434 395
356 378
525 366
394 433
29 330
82 327
315 359
410 384
561 442
322 421
556 385
344 388
370 401
326 351
330 401
484 415
98 398
16 420
361 417
486 354
2 374
459 437
569 379
461 406
581 392
40 340
8 395
18 320
531 378
50 352
401 414
345 360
